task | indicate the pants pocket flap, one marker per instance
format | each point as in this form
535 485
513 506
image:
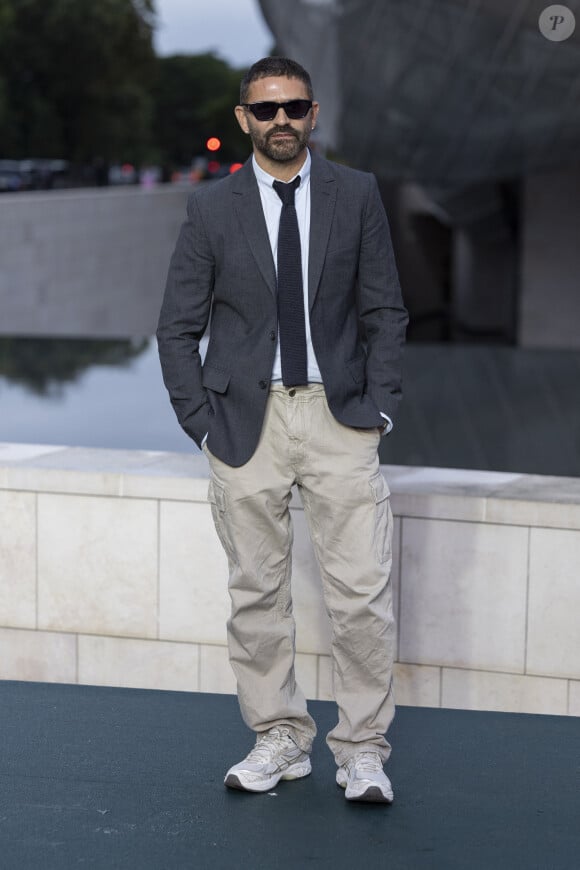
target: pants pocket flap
379 487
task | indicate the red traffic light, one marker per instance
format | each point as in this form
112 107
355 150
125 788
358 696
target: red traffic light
213 144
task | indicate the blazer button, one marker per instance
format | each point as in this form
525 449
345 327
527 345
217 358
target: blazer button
272 336
262 384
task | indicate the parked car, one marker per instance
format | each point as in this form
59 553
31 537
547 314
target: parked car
33 174
10 176
123 173
41 173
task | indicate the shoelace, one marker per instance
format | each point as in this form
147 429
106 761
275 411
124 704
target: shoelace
369 761
269 744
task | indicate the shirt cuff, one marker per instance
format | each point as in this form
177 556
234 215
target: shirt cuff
389 425
204 439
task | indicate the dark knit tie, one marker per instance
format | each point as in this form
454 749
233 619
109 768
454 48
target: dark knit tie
290 294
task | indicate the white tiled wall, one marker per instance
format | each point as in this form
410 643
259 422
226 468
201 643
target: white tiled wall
417 685
215 674
97 565
307 674
574 697
481 690
18 559
42 656
116 577
554 607
463 600
193 595
325 678
144 664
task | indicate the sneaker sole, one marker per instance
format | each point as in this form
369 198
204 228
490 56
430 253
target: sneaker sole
295 771
372 794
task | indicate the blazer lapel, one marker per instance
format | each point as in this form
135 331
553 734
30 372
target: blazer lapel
322 202
248 208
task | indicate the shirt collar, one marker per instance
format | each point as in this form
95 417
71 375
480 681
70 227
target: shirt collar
265 179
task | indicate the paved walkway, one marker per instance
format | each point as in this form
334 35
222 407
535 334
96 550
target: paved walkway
132 779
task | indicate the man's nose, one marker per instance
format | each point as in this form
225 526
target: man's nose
285 117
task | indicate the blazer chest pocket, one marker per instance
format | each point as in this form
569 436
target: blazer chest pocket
215 379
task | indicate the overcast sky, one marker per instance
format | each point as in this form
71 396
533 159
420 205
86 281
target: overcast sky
234 29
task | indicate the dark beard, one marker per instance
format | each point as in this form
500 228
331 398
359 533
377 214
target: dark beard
281 152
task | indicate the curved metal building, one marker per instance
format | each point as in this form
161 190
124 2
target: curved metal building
444 92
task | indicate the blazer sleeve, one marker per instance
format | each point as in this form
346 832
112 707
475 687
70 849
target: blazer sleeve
382 313
183 320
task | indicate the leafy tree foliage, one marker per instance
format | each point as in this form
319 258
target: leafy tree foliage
76 78
195 98
79 80
5 26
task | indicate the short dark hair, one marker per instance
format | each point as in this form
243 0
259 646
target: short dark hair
274 66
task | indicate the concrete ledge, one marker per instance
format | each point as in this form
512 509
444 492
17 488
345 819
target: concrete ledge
441 493
111 573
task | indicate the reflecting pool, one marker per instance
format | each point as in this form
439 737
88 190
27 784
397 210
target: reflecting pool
86 393
479 407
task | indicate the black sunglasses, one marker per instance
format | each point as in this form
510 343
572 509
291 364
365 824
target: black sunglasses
267 110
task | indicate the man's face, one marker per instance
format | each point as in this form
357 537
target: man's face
281 139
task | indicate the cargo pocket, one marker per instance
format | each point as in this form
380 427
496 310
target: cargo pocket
383 517
217 498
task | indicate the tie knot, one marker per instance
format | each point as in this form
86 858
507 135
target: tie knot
286 191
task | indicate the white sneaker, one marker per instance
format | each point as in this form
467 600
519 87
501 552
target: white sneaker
364 779
274 757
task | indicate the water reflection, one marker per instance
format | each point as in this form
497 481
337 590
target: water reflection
480 407
86 393
44 365
489 408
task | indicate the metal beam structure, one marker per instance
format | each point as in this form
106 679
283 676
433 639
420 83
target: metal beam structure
441 92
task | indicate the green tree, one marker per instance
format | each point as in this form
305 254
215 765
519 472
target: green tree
195 97
6 15
75 78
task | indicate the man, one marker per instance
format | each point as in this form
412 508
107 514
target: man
292 257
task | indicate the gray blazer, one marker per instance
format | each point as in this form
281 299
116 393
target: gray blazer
222 268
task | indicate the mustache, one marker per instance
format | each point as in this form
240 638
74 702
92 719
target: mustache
285 129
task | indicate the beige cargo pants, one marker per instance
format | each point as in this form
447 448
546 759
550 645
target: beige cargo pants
346 502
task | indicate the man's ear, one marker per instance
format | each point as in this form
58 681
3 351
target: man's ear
315 108
240 114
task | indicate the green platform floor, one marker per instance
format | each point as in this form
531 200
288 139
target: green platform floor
132 779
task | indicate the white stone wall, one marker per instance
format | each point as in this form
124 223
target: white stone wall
111 574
